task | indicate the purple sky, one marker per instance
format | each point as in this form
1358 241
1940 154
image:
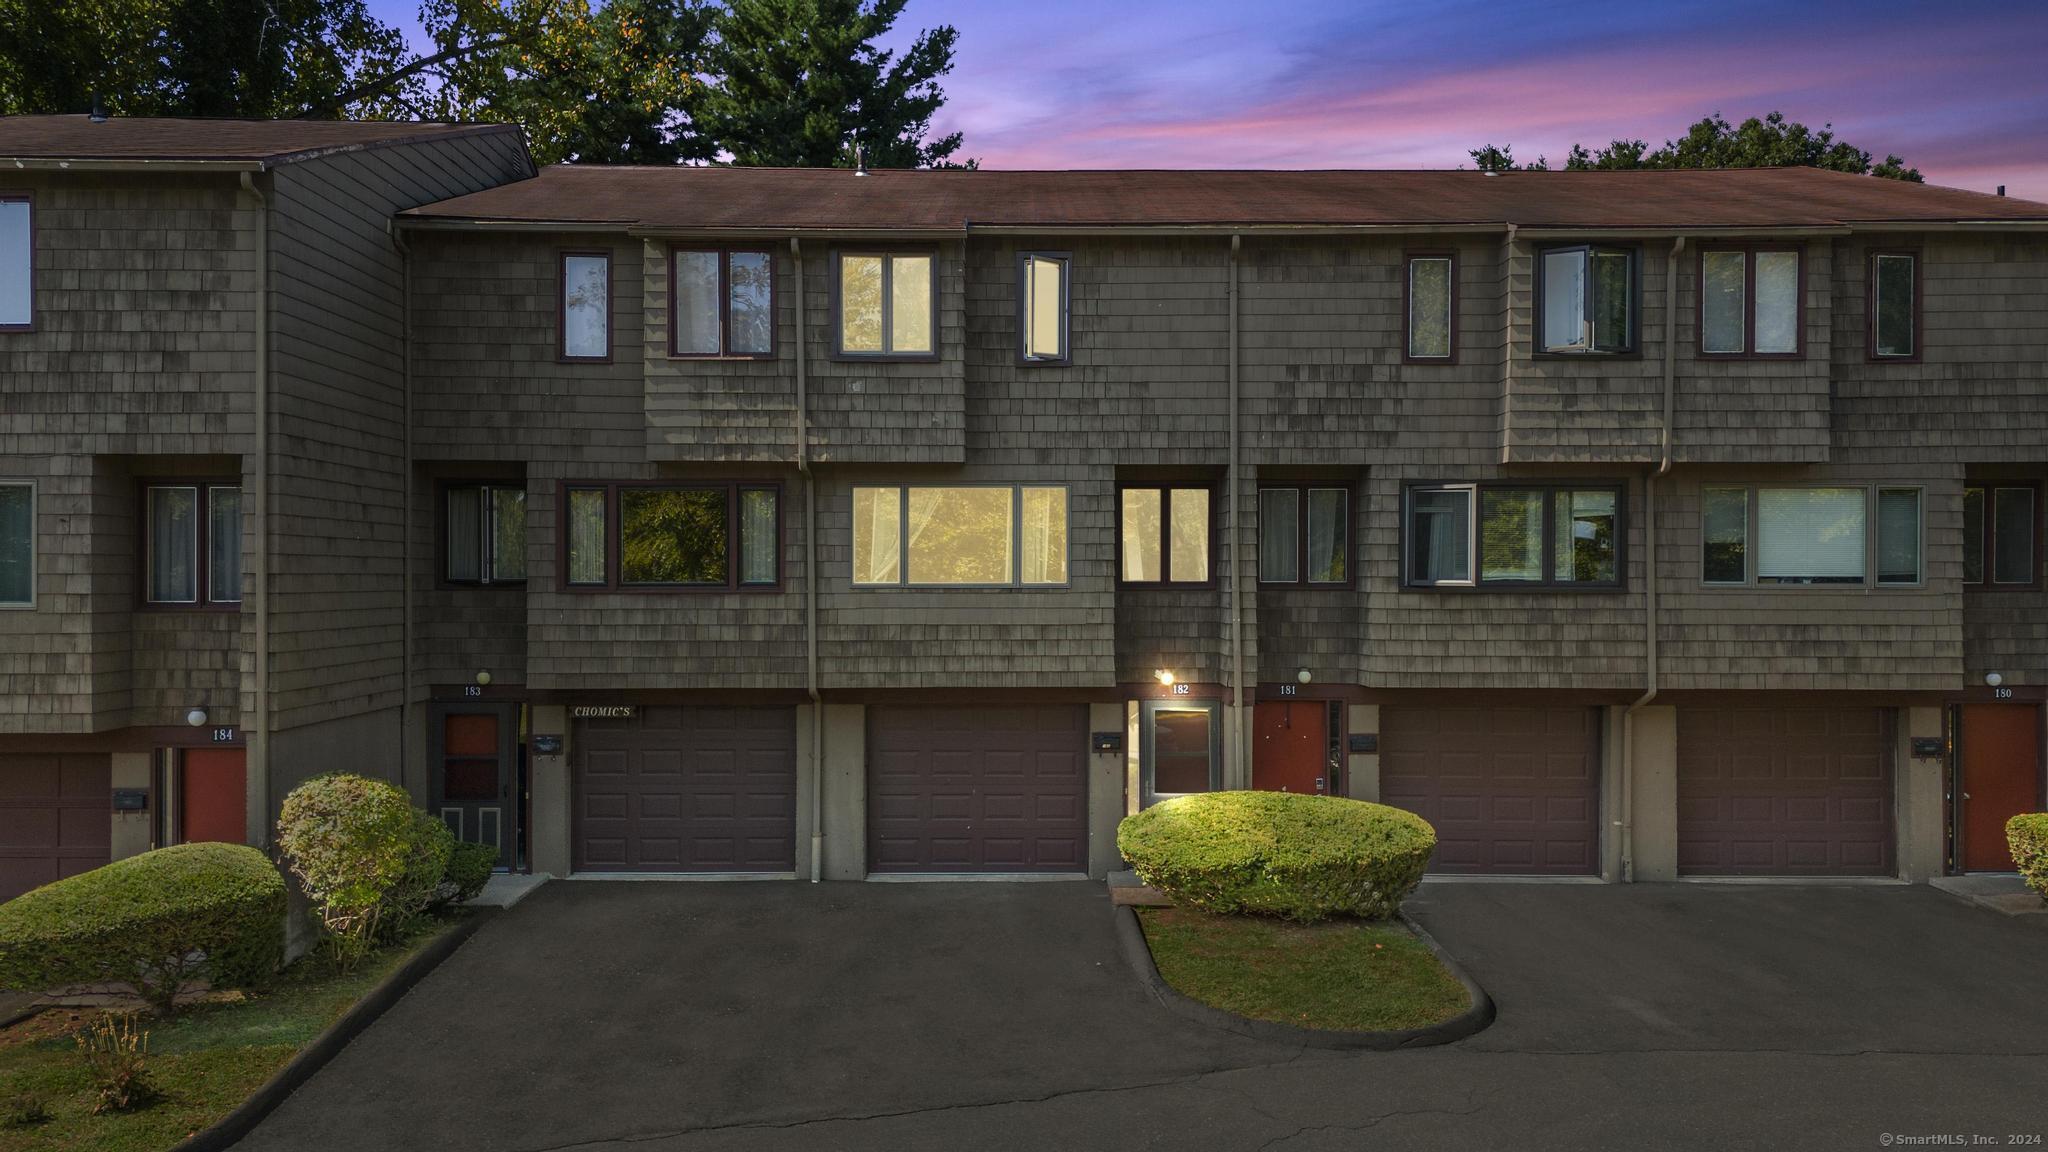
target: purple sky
1959 87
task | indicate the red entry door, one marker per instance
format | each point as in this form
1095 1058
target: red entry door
2001 778
213 796
1290 746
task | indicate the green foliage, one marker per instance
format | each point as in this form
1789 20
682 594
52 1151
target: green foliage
469 869
2027 835
354 843
1767 142
801 82
428 852
24 1109
153 922
116 1054
672 536
1279 854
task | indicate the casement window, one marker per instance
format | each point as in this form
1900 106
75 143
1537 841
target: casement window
1513 535
887 305
1042 308
17 263
17 544
965 536
1163 535
1586 299
1750 302
1894 306
484 534
1305 535
1999 535
680 536
724 302
192 544
586 313
1432 297
1812 536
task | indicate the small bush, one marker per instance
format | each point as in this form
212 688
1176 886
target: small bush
2027 835
23 1110
469 869
116 1053
426 867
1279 854
351 841
153 922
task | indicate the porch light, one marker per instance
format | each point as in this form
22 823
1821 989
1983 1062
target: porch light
196 717
1993 679
1164 677
483 679
1302 675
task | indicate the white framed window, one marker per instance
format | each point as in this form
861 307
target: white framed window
17 544
1814 535
960 536
1586 299
1043 307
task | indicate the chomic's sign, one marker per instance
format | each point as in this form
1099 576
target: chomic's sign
602 711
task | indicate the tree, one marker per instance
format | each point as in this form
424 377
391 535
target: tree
1501 158
801 83
1769 142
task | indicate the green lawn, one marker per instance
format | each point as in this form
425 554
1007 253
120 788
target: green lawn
204 1063
1346 975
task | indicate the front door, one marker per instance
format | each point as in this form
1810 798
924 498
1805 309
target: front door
1290 746
474 754
213 796
2001 778
1180 747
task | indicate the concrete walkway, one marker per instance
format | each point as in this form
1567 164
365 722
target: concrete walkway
899 1017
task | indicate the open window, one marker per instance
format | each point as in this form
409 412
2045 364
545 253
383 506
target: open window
1042 308
1586 299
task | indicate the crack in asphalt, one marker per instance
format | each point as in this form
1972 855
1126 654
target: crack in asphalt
1470 1108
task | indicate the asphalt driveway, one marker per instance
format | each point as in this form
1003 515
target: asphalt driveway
972 1016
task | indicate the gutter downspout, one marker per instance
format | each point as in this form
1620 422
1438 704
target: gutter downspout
803 465
1627 821
1241 736
260 506
405 729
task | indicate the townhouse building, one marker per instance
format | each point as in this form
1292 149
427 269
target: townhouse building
714 521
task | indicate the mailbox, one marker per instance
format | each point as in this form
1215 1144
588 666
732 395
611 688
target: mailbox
131 799
1106 741
547 745
1363 743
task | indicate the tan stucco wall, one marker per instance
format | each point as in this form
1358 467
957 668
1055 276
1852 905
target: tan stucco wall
548 777
1106 771
1362 769
1920 811
1653 805
846 792
130 834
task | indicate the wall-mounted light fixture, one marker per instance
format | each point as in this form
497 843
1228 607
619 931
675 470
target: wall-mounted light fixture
1993 679
1164 677
483 679
1302 675
196 717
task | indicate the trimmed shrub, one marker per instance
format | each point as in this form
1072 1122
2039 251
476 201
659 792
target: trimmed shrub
153 922
469 869
426 865
1279 854
2027 834
351 841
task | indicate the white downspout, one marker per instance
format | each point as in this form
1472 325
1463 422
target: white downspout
803 465
260 509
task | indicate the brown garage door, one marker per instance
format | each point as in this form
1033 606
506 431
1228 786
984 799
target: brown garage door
977 789
687 790
1784 791
1511 791
55 819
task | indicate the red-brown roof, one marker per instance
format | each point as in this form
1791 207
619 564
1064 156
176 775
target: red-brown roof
713 198
169 139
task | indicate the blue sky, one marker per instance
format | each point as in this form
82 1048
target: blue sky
1959 88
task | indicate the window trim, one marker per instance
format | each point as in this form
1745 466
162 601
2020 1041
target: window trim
34 545
1024 357
1473 581
1989 583
611 300
886 355
28 198
203 543
1302 583
1634 351
1166 490
1752 492
1870 352
614 575
1015 583
1408 259
1699 302
725 254
442 487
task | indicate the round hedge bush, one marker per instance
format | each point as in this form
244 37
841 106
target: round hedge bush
153 922
1279 854
2027 835
368 859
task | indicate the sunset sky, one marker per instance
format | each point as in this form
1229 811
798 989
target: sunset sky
1958 88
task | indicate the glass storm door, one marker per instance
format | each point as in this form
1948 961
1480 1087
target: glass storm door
1181 744
473 756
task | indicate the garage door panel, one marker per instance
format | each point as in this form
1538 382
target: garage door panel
687 789
1784 790
976 789
54 818
1509 790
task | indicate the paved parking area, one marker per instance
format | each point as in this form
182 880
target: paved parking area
951 1016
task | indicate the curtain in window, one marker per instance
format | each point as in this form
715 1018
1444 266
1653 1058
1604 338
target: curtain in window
760 547
959 536
1810 535
508 533
1327 535
1777 302
1722 307
1898 536
1510 535
1564 299
1188 551
1140 527
877 535
465 534
586 305
696 319
910 304
1584 549
224 545
752 294
17 543
1042 536
586 536
1279 538
173 545
1438 541
2012 536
